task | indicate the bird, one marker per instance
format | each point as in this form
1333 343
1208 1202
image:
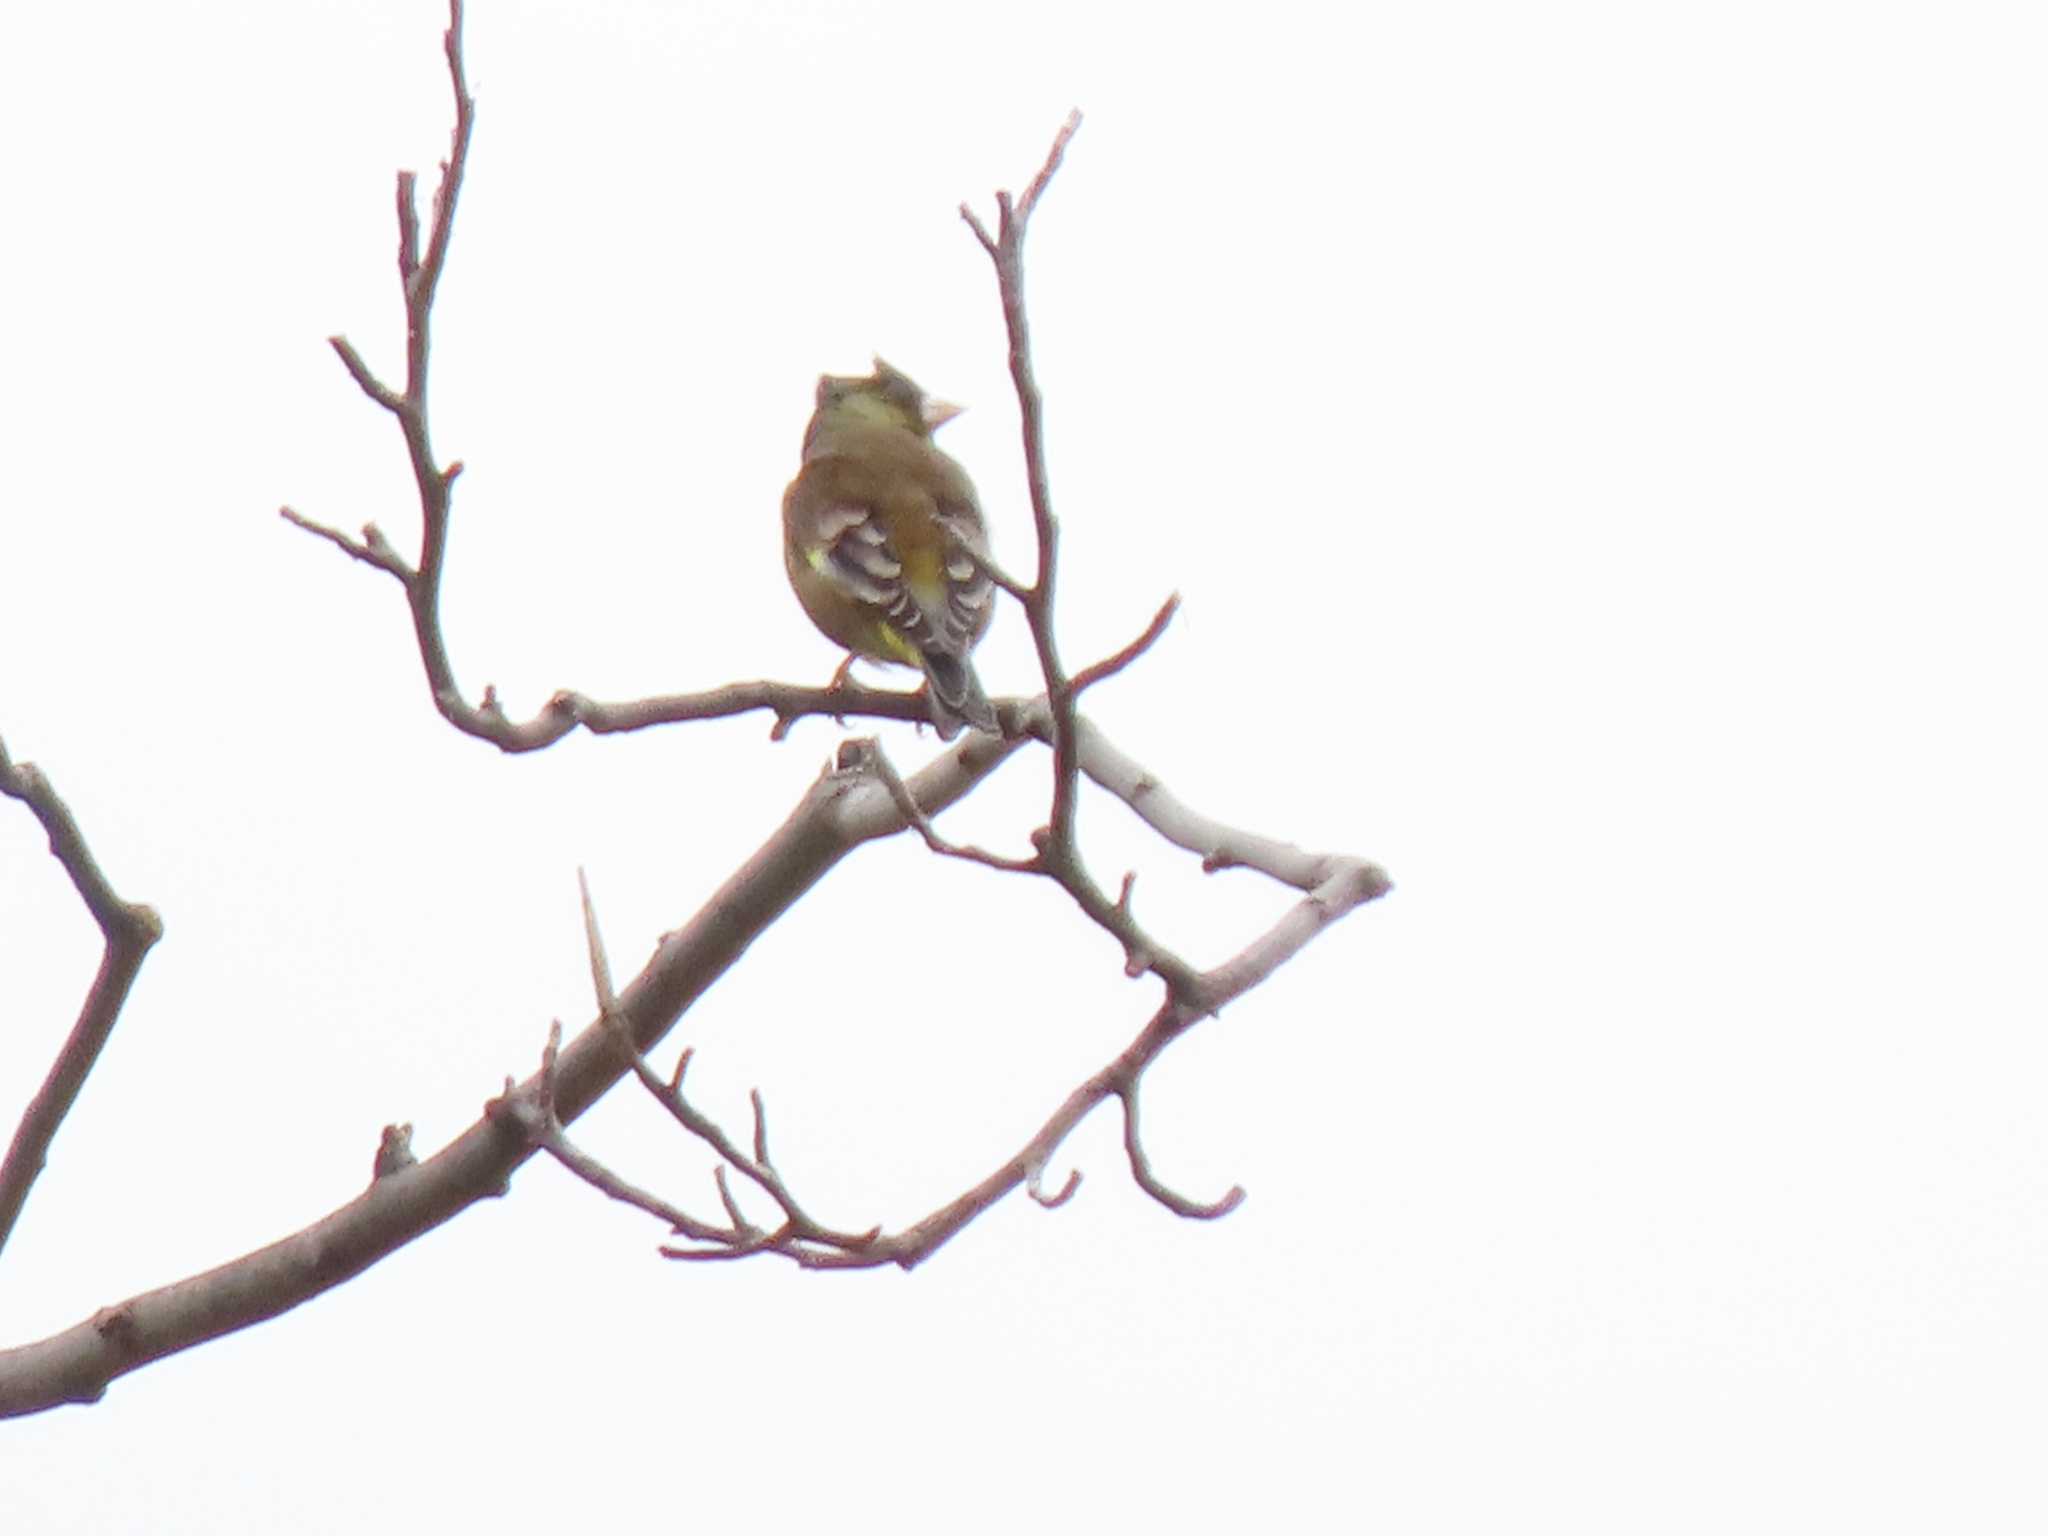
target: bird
885 543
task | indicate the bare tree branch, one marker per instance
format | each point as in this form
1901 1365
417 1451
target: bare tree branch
420 276
1058 853
1112 664
419 279
372 549
759 1168
837 814
1345 884
129 930
862 800
1332 884
907 803
1145 1179
1006 250
739 1236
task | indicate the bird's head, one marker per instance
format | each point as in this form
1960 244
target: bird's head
888 397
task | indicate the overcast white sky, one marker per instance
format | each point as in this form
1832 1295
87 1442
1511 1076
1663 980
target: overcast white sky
1600 450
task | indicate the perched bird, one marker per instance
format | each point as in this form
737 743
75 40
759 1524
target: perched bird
885 543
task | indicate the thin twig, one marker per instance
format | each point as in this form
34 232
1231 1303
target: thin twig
371 549
1059 853
759 1169
1006 251
420 272
907 803
530 1110
1145 1179
1112 664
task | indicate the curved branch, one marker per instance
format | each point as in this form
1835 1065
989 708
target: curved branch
1112 664
129 929
1143 1176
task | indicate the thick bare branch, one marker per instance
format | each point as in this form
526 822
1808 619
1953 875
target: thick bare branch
1219 845
837 814
128 930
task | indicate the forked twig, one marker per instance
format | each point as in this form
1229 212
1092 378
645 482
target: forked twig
420 272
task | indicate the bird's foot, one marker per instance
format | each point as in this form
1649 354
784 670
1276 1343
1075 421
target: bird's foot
841 676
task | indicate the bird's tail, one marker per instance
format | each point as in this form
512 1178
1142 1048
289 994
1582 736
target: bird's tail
956 696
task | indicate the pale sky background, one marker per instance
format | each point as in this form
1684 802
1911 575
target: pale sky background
1600 450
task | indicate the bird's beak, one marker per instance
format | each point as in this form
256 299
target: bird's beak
938 412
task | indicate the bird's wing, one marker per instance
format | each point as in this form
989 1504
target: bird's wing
852 550
937 601
970 593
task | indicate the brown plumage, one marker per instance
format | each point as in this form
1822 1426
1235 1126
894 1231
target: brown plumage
884 540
